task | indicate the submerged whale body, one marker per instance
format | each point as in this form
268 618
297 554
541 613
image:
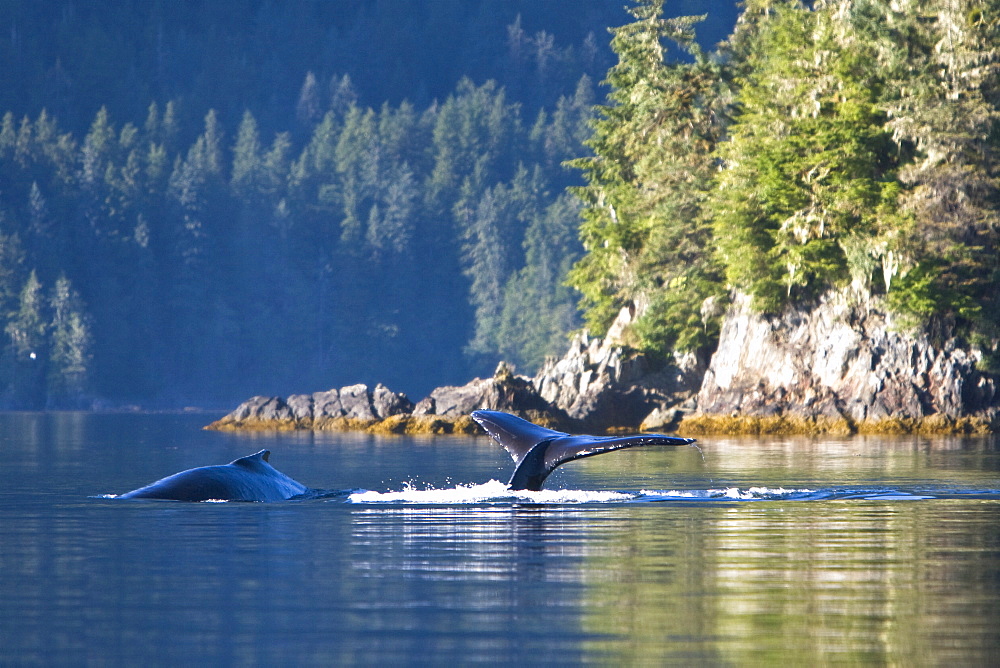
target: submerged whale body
537 451
248 478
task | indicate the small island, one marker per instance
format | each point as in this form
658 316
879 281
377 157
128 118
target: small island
792 234
837 370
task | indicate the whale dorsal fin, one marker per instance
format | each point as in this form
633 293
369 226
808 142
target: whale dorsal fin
517 436
250 460
537 451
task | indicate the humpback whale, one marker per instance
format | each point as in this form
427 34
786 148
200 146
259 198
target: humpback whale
537 451
248 478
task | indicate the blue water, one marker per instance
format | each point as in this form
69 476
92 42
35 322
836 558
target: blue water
742 552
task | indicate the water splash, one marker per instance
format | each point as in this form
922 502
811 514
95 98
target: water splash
498 492
729 493
493 491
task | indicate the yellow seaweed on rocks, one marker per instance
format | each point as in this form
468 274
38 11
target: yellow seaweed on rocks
753 425
394 424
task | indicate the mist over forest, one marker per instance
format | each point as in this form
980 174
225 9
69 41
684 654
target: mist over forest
200 201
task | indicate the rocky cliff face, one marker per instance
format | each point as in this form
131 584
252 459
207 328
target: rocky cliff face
601 383
839 367
841 363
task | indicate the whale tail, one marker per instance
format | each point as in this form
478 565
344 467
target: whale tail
537 451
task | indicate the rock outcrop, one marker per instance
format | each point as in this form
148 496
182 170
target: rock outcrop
352 405
380 410
839 367
604 384
503 392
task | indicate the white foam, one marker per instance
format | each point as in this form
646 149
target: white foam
750 494
492 491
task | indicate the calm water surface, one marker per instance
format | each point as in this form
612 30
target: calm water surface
745 552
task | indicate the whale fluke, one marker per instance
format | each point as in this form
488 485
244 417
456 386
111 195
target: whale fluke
248 478
537 451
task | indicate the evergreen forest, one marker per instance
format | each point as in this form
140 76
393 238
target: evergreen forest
205 200
846 146
202 201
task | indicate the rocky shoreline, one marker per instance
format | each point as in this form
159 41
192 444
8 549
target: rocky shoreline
839 368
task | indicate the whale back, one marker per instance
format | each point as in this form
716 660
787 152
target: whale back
249 478
258 461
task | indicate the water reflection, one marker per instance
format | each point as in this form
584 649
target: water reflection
500 584
595 571
491 543
837 582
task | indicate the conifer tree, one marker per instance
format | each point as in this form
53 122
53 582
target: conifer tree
69 362
538 307
245 174
944 104
27 330
646 235
809 163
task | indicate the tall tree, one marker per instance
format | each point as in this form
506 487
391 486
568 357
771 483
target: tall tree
647 237
538 308
944 104
71 341
809 163
28 332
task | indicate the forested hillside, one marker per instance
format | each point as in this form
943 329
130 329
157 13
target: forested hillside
845 145
204 200
207 200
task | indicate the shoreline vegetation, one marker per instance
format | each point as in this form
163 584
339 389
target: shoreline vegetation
702 425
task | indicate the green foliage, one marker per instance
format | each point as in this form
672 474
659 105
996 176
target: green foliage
644 225
355 238
808 160
47 359
944 101
860 150
827 145
70 345
538 309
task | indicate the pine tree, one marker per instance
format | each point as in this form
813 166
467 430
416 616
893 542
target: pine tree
944 104
71 342
538 308
646 234
28 332
809 163
307 110
245 175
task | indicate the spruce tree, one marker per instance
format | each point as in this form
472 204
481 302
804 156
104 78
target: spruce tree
944 103
70 359
27 329
644 228
809 162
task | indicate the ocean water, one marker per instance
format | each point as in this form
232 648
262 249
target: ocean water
741 551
